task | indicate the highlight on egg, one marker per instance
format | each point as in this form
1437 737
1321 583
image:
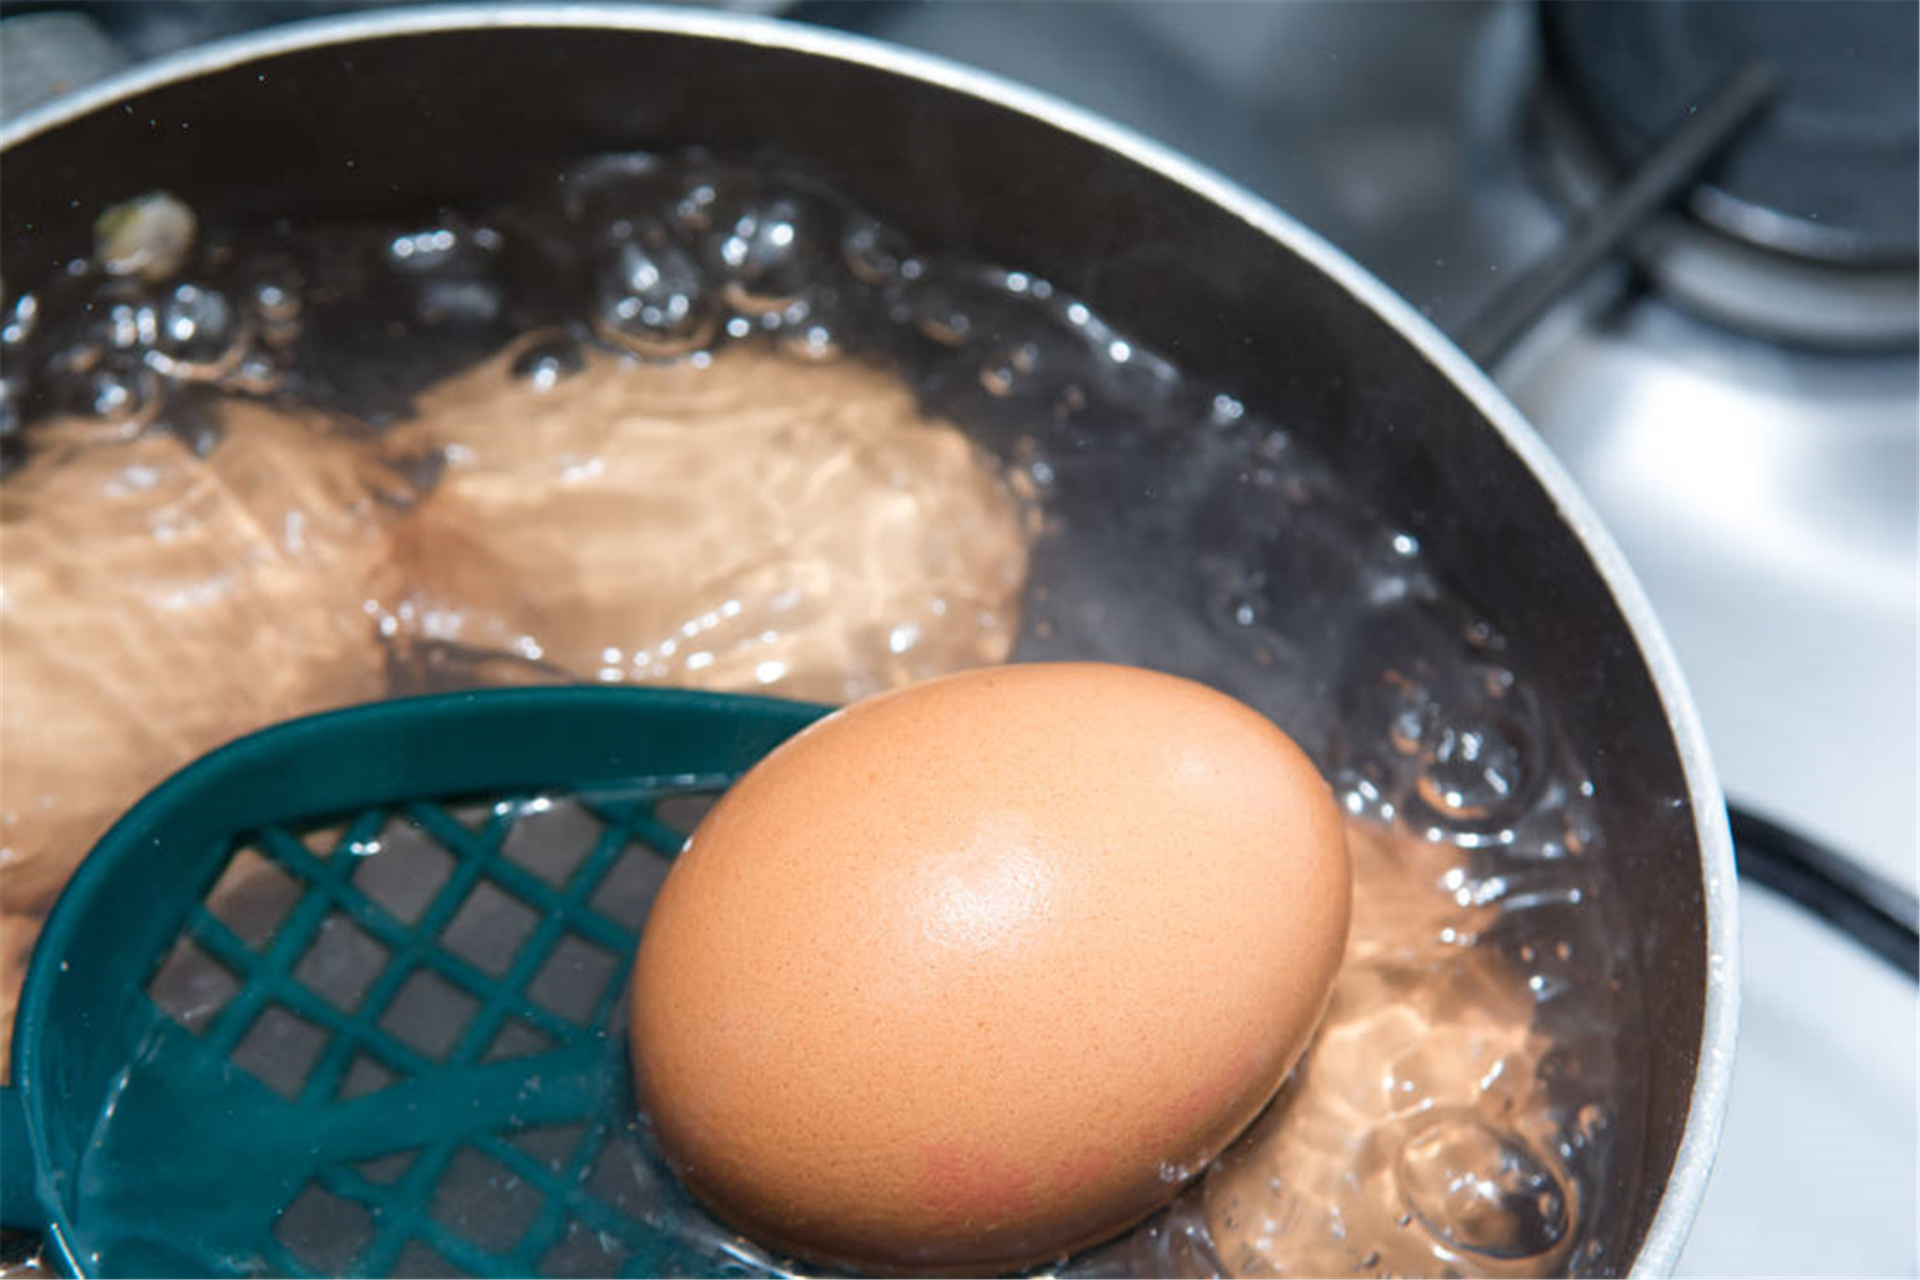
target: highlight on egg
976 973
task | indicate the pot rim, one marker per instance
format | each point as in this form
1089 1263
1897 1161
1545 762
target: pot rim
1660 1248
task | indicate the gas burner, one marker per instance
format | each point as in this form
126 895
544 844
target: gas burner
1805 228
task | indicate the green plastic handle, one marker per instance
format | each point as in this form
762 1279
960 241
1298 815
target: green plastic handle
19 1201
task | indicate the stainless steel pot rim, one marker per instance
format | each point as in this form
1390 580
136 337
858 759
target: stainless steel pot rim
1686 1185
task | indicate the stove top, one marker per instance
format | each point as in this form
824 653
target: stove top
1764 491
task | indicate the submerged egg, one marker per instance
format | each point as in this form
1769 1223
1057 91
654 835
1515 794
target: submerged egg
978 972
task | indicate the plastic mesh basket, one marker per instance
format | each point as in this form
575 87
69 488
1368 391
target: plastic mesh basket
347 997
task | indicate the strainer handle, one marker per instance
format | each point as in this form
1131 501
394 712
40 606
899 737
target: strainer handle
19 1201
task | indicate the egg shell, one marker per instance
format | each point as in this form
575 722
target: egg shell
975 973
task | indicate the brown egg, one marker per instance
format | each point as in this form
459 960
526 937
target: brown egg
154 604
758 524
975 973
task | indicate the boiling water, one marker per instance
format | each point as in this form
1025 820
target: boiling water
1470 1105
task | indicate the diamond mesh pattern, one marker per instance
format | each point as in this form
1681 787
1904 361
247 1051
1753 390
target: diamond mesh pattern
472 1015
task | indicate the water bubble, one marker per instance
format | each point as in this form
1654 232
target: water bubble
22 321
546 359
278 311
768 255
1407 729
1481 635
1475 768
1483 1190
257 374
1224 410
814 343
941 316
126 397
423 251
654 300
695 208
198 336
127 325
276 303
1006 367
878 254
1236 594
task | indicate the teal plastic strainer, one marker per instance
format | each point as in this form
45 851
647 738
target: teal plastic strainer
347 997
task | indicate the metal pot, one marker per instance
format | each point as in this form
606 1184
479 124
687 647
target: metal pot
391 115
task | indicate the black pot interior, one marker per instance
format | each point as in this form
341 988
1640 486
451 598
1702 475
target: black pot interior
396 126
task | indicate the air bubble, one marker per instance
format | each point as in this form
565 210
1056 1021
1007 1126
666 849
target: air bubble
653 300
878 254
941 317
22 321
128 325
695 208
256 374
1407 729
769 256
1007 367
1482 1190
276 304
423 250
1475 769
1236 599
198 337
1481 635
815 343
125 397
545 360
